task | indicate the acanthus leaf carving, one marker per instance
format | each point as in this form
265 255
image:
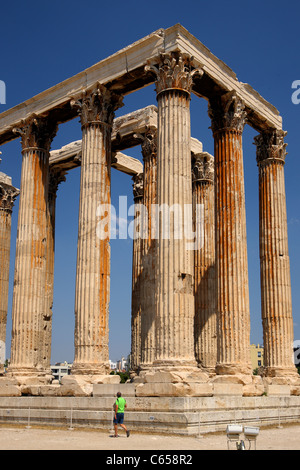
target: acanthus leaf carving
227 112
270 146
174 72
37 132
97 105
138 186
203 167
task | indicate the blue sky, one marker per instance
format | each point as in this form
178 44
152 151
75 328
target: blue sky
43 43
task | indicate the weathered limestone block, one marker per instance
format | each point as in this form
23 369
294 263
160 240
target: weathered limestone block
295 390
272 389
82 385
105 390
52 390
9 387
233 379
228 389
179 389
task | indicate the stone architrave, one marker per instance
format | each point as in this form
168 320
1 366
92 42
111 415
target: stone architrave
56 176
31 249
136 299
96 109
228 119
276 301
174 323
8 195
204 255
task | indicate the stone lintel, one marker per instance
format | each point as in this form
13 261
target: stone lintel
125 164
124 72
127 132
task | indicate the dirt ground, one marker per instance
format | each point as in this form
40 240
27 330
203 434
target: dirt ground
22 438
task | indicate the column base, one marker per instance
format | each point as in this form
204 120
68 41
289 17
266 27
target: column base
29 372
101 368
284 372
233 369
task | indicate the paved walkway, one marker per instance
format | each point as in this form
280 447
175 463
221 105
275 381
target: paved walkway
21 438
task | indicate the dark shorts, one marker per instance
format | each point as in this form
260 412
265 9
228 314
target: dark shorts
119 419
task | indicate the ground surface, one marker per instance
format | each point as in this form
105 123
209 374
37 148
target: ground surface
21 438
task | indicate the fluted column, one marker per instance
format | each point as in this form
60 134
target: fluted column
8 195
205 279
56 176
276 302
136 299
149 151
31 250
228 119
96 109
174 342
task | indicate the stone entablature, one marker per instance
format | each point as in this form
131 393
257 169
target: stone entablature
123 72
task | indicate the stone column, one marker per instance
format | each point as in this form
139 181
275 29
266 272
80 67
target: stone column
174 342
149 151
136 311
96 109
228 119
205 279
276 302
8 195
31 249
56 176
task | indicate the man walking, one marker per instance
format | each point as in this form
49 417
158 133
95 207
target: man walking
119 406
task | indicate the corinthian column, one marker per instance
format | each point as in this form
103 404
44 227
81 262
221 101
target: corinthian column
276 302
56 176
228 119
8 195
136 299
31 249
174 342
205 279
149 151
96 109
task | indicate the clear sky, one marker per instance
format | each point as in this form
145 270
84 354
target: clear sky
43 43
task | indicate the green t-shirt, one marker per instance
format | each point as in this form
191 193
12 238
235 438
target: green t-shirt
121 402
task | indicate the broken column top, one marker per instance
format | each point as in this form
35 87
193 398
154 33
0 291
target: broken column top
5 179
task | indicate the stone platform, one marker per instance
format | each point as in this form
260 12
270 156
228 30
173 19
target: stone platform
172 415
166 414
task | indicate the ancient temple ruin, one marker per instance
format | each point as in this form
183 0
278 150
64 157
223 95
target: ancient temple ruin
190 308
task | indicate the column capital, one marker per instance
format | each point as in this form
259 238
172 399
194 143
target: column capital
174 71
202 168
97 105
8 195
37 132
138 187
56 176
149 143
227 112
270 147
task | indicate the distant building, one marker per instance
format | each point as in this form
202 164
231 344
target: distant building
60 369
257 355
112 365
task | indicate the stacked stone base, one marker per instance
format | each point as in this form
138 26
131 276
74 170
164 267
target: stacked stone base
172 415
155 383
